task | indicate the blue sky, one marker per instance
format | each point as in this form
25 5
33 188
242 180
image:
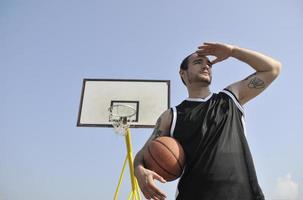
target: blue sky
48 47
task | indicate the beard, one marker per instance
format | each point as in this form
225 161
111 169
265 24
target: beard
197 78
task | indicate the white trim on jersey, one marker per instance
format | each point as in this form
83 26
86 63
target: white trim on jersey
172 128
234 99
200 99
174 120
243 124
240 108
177 191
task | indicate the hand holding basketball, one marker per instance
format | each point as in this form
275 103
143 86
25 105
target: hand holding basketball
164 159
146 182
165 156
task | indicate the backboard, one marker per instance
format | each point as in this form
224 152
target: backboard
149 98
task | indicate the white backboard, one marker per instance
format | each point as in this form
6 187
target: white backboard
150 98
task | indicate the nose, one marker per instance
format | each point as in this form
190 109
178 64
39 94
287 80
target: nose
206 66
209 64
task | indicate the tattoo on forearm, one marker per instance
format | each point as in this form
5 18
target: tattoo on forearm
256 83
157 132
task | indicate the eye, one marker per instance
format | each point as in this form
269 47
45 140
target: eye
198 62
209 64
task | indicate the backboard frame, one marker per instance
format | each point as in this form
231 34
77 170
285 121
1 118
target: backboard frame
85 80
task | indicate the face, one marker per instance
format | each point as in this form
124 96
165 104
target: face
199 70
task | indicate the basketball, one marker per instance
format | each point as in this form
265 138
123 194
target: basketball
165 156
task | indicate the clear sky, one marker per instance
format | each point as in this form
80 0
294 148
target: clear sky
48 47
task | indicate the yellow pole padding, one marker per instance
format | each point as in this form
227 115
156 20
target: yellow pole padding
120 179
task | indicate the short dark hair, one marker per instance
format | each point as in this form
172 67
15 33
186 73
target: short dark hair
184 65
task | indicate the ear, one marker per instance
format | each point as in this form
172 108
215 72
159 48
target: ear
183 76
181 72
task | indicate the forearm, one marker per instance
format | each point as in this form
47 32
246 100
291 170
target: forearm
139 160
258 61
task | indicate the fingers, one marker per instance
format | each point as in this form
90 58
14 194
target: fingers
209 53
152 195
204 47
159 178
151 184
220 51
206 50
150 190
209 43
148 186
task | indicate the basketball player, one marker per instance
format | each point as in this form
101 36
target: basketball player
210 128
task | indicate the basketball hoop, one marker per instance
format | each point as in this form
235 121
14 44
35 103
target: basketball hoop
103 104
120 115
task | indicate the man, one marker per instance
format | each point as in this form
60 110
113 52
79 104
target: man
211 130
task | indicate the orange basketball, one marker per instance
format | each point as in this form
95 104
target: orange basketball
165 156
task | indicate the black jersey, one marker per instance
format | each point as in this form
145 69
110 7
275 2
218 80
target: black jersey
219 165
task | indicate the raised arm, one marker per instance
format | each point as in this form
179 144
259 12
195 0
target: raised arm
144 176
267 69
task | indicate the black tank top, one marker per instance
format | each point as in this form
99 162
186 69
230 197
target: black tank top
219 165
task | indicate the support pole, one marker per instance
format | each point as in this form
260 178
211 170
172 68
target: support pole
120 179
130 158
135 191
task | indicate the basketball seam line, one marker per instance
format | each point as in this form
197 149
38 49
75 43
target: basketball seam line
159 163
180 166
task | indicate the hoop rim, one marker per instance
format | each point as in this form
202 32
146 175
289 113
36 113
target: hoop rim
122 105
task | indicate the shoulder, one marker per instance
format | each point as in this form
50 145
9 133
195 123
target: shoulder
229 95
163 122
166 117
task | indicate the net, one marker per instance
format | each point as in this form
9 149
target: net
120 117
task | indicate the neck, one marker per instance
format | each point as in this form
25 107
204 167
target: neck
198 91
